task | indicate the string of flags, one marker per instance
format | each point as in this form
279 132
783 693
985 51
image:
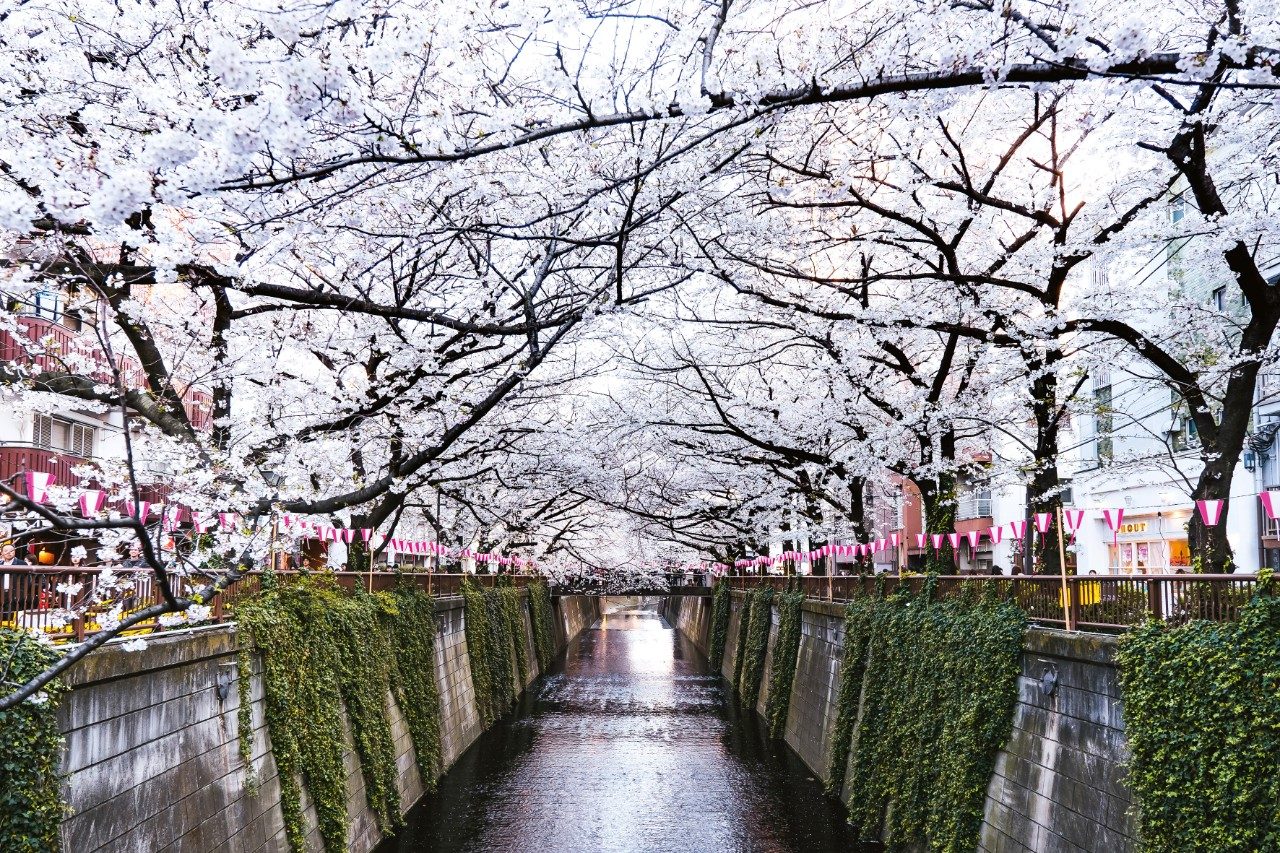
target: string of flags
1210 512
92 502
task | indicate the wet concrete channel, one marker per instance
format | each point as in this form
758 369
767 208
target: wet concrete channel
628 744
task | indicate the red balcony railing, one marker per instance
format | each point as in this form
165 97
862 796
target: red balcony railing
52 347
18 459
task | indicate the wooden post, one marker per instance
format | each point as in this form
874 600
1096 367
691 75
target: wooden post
1068 611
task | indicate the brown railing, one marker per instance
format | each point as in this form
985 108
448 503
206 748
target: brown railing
1093 602
30 600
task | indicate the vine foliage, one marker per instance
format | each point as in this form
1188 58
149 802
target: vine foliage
1201 705
720 600
542 616
31 806
782 671
495 645
757 644
740 647
933 685
325 651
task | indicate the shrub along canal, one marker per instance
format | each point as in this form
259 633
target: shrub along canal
629 744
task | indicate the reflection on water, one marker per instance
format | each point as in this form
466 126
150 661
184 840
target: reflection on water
627 745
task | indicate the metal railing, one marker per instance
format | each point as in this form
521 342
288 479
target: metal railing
1093 602
30 599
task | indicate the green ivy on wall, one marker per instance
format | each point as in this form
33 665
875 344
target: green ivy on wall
782 670
740 647
932 685
325 650
496 646
720 600
409 617
757 631
1202 717
543 617
31 806
513 610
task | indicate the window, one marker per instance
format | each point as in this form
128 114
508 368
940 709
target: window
54 434
81 443
1220 298
49 305
42 432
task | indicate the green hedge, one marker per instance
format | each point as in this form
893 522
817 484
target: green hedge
1202 717
925 703
782 670
720 600
756 629
31 806
325 650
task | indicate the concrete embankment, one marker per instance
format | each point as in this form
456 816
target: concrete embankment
1058 784
152 760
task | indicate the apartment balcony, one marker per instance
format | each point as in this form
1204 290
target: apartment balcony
58 349
17 459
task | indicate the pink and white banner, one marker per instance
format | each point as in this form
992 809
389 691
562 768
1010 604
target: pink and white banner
1043 520
1270 502
995 534
954 539
936 538
38 484
1114 518
1072 519
974 537
366 533
140 510
1210 511
920 540
893 540
172 518
348 534
228 520
1018 529
91 502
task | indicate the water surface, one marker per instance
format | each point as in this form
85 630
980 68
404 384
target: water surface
628 744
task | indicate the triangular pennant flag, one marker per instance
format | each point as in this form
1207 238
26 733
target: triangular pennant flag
1210 511
366 533
937 540
1043 520
1270 502
974 536
954 539
228 520
1018 529
1114 518
995 534
893 540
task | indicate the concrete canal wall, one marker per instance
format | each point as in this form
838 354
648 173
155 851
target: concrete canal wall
152 756
1058 784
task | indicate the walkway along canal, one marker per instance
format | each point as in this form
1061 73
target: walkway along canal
628 744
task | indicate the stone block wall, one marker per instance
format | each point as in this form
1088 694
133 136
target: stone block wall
1058 784
152 758
691 616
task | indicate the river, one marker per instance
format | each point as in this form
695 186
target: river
629 743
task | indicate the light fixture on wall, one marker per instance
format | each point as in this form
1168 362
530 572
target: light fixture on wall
1250 460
